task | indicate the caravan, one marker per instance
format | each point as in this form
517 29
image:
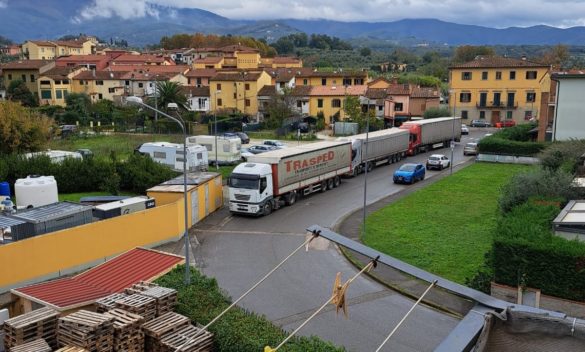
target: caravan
171 154
228 148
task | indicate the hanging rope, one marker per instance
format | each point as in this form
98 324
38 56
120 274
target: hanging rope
315 234
335 296
406 315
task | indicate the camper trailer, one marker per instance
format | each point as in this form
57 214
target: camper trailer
228 148
171 154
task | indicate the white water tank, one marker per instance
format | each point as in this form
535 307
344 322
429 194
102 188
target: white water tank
36 191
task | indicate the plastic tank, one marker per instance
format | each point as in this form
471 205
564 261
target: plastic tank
4 189
36 191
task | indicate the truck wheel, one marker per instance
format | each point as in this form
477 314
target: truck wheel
323 186
267 208
337 181
369 166
330 183
292 198
355 172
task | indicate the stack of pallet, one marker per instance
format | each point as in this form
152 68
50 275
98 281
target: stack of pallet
189 338
91 331
138 304
159 327
128 335
109 302
140 287
38 324
71 349
166 299
39 345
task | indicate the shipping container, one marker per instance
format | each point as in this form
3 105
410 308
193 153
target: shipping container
122 207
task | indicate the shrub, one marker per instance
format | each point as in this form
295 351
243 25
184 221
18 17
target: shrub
563 155
496 145
432 113
139 173
520 133
237 330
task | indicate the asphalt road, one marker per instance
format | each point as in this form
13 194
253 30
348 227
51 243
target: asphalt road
237 251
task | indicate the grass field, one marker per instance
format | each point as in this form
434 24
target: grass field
445 228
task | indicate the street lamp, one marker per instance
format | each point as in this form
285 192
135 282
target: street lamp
366 172
138 101
217 92
452 91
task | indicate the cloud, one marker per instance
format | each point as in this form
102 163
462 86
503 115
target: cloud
494 13
3 4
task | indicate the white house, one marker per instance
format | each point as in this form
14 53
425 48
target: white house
569 120
198 98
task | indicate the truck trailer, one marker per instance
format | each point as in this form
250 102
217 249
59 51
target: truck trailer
270 180
384 146
432 133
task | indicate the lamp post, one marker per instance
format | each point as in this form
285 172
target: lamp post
453 135
366 170
138 101
156 102
217 92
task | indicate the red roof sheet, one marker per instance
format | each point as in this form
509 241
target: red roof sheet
112 276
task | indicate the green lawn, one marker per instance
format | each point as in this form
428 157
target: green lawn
445 228
75 197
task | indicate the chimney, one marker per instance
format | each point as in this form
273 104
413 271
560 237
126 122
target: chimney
523 57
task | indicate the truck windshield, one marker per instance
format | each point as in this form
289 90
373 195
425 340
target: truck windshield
244 181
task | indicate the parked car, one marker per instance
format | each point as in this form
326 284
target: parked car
260 148
506 123
85 153
276 144
438 161
470 149
464 129
241 135
409 173
480 123
245 153
68 130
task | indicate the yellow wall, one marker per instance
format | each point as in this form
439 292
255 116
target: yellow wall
337 81
247 60
36 52
208 65
53 86
17 75
229 88
520 86
327 109
93 90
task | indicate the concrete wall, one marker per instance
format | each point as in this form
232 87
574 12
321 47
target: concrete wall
569 121
507 159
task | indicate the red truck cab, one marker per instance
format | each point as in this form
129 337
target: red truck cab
415 136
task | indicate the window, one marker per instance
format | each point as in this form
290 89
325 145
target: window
219 102
299 104
466 76
226 148
46 83
58 94
46 94
199 156
65 93
512 75
127 83
198 81
57 82
398 107
99 83
81 82
111 90
140 85
305 82
100 96
498 75
23 78
482 99
247 102
464 97
509 115
527 115
530 74
65 81
530 97
336 103
149 84
32 78
482 114
347 81
464 114
510 102
484 76
323 81
218 86
358 81
209 147
235 96
380 108
319 103
159 155
263 184
10 76
247 86
497 99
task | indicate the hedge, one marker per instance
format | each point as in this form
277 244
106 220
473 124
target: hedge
238 330
526 253
497 145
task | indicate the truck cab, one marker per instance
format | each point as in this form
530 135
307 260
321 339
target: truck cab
415 137
250 189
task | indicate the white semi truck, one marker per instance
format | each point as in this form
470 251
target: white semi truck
384 146
270 180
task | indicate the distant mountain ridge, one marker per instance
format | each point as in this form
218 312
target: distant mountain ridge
49 19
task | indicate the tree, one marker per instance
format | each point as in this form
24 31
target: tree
365 51
169 92
557 56
432 113
467 53
22 129
280 108
18 91
78 103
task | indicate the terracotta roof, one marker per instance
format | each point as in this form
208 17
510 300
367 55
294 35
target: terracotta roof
301 91
315 73
99 75
148 76
285 60
69 43
24 64
377 93
339 91
224 76
425 93
379 79
156 69
267 91
569 74
209 60
82 58
398 89
497 61
144 58
234 48
201 72
59 72
195 91
42 42
110 277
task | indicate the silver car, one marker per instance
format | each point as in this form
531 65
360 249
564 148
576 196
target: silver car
470 149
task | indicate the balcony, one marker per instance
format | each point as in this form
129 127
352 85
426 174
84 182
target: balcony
496 105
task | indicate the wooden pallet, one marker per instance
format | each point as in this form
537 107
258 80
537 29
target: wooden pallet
109 302
140 287
166 299
38 345
189 338
91 331
128 334
140 305
71 349
40 323
156 328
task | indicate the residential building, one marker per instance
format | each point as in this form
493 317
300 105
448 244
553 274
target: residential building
143 84
27 71
298 99
199 77
142 59
397 104
281 62
498 88
336 78
423 98
374 101
569 120
198 98
329 100
50 50
237 91
209 62
10 50
95 62
99 85
55 85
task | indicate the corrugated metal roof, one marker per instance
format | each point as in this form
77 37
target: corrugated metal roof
136 265
6 222
51 211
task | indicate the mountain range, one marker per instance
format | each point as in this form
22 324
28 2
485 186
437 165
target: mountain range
50 19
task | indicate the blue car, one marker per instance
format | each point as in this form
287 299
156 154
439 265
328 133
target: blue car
409 173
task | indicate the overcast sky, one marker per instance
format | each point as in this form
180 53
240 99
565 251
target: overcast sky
493 13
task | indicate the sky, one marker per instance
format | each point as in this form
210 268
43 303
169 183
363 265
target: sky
492 13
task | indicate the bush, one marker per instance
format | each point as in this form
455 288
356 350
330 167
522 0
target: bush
140 172
496 145
237 330
432 113
563 155
520 133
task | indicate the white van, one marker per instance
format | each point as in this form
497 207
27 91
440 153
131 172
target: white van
228 148
171 154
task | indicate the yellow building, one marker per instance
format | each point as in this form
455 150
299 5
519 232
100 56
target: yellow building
210 62
237 91
50 50
329 100
27 71
55 85
281 62
337 78
99 84
498 88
